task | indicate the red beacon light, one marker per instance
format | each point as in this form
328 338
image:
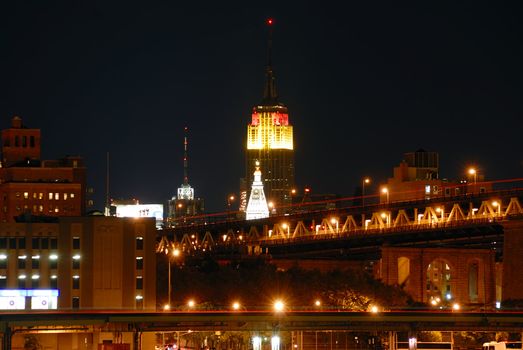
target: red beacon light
269 21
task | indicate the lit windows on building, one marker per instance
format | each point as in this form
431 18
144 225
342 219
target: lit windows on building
139 282
139 263
139 243
56 196
40 195
76 261
26 195
3 281
72 195
21 261
76 282
76 303
21 281
3 261
65 196
35 262
53 282
35 281
50 196
53 261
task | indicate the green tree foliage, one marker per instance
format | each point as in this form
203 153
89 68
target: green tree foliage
257 283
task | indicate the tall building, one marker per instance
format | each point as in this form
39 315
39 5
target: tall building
33 187
257 207
270 142
184 204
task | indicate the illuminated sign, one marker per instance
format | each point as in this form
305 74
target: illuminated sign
140 211
41 299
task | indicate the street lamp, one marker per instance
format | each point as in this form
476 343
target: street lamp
230 198
287 227
175 254
279 306
334 221
366 181
474 173
385 191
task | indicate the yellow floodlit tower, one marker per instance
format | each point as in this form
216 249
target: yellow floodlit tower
270 141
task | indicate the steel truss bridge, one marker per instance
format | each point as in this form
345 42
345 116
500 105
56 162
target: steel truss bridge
473 221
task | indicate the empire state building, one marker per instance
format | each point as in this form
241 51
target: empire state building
270 142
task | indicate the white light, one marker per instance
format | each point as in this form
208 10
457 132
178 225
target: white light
139 297
448 296
256 343
275 343
35 277
3 256
53 277
498 304
22 257
53 257
374 309
278 306
455 306
21 277
35 257
76 257
76 277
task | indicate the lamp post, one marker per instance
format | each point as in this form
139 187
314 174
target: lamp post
385 191
474 173
366 181
175 254
230 198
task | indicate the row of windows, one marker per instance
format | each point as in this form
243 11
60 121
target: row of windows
36 243
53 282
40 195
39 208
46 243
35 282
21 141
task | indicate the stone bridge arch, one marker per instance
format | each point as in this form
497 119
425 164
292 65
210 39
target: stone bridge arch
468 275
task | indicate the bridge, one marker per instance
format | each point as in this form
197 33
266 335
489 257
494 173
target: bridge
138 323
472 240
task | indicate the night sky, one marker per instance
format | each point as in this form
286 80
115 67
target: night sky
364 82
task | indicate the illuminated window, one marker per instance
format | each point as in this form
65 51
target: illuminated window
56 210
76 242
76 261
3 261
17 194
53 282
427 189
76 282
139 263
65 196
35 262
21 261
40 208
26 195
76 302
21 282
139 243
72 195
40 195
35 208
50 196
35 281
139 282
56 196
3 281
34 195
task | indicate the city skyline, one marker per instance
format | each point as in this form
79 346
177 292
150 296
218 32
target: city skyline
364 86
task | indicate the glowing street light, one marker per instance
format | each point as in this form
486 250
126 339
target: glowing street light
287 227
385 191
334 221
497 205
236 306
191 303
317 303
175 254
473 172
374 309
366 181
278 306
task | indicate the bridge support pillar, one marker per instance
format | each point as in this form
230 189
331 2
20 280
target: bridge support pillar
6 338
512 283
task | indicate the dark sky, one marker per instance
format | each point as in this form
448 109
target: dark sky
364 82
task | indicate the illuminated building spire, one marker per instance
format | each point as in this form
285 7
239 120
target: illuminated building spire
257 207
270 96
185 191
185 160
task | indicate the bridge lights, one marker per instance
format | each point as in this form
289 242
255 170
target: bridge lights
317 303
279 306
497 205
287 227
236 306
374 309
191 303
256 343
365 181
456 307
335 221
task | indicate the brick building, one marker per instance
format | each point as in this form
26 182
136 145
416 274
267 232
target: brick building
31 186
